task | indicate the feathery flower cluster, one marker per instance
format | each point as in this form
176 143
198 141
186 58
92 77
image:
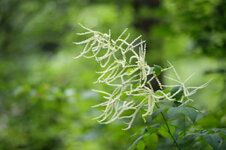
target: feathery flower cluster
127 73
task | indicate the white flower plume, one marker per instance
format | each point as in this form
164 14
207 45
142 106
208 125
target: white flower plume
127 73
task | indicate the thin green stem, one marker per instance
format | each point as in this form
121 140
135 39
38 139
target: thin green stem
184 130
164 118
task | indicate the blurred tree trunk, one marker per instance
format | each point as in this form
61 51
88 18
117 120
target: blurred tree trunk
145 24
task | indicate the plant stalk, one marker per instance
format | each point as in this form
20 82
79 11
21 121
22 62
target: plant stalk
184 131
164 118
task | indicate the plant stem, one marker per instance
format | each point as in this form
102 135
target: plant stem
164 118
184 130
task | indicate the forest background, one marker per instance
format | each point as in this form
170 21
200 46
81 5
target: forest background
45 95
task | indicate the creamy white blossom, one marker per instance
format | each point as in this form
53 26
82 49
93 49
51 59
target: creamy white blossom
125 70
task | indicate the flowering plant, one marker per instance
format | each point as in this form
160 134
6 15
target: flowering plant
129 75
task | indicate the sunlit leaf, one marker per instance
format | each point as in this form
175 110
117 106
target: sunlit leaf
164 131
151 141
140 145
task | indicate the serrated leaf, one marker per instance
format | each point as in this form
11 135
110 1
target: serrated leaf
157 69
187 111
214 140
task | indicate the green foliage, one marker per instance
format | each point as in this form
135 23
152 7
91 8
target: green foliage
157 112
163 131
178 91
214 140
151 141
157 69
187 111
204 20
45 97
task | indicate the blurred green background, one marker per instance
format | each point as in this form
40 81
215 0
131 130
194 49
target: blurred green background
45 95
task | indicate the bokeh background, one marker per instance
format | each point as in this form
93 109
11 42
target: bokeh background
45 95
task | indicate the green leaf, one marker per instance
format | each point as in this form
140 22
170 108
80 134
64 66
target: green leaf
135 142
162 92
157 112
166 91
187 111
192 107
140 145
175 90
214 140
153 128
163 130
194 135
191 113
176 104
159 93
157 69
129 70
223 131
151 141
